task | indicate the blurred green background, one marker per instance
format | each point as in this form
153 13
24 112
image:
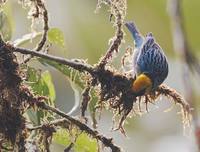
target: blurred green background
86 36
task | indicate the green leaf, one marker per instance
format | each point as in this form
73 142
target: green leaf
74 78
41 84
85 144
61 137
33 117
56 37
77 80
46 77
5 26
92 107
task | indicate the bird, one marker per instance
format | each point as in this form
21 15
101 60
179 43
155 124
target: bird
149 63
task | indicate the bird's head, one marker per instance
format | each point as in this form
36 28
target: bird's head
142 84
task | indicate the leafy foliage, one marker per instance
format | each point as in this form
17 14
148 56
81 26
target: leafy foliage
56 37
41 83
83 142
74 76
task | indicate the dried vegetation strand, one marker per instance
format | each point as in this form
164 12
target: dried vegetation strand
178 99
116 92
118 11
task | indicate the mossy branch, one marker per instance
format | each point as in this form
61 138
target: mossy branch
83 127
115 88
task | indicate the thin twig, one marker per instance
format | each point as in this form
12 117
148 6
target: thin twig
46 26
83 127
116 42
71 63
169 92
56 122
64 123
186 109
39 5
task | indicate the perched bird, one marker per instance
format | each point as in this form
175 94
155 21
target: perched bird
150 66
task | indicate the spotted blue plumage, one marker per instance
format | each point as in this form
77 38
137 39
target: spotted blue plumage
148 56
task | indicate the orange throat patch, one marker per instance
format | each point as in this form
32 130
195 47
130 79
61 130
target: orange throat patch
142 82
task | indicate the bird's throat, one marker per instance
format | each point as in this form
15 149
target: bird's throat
142 83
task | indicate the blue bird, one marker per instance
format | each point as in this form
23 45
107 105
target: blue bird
150 65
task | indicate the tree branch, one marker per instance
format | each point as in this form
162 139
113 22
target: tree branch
56 122
40 4
83 127
71 63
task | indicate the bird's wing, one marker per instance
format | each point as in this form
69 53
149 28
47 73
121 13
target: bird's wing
144 58
152 60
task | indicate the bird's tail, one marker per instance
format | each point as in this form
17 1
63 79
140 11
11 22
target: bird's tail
134 31
132 27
